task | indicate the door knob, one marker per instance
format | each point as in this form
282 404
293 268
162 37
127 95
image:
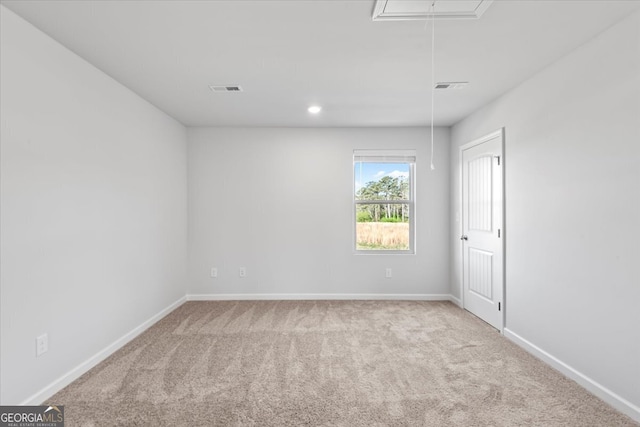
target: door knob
463 237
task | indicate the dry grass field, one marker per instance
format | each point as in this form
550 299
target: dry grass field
382 235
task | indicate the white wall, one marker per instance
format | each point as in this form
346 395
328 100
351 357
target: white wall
572 208
278 202
93 231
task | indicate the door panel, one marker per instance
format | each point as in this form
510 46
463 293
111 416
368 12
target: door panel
482 237
481 272
480 206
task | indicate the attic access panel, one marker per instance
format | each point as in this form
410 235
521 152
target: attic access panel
407 10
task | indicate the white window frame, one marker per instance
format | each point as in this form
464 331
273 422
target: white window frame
386 156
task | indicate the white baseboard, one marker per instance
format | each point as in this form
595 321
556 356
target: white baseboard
455 300
227 297
79 370
598 389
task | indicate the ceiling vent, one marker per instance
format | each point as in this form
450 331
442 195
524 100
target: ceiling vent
451 85
224 88
412 10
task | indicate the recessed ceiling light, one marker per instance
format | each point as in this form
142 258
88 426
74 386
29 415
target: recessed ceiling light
314 109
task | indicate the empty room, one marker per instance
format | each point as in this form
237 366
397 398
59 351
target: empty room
320 212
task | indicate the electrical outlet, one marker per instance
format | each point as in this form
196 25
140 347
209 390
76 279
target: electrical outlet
243 272
388 273
42 344
214 272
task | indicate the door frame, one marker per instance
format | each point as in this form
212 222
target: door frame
498 133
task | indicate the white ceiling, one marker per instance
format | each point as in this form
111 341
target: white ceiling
287 55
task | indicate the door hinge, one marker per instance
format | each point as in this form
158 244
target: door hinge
498 232
498 158
499 306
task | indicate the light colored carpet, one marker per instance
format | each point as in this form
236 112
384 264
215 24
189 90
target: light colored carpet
329 363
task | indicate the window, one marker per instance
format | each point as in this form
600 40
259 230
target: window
383 201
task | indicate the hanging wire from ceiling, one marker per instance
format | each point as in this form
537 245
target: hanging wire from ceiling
433 72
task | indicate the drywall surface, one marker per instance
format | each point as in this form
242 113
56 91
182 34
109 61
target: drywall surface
93 203
572 161
278 201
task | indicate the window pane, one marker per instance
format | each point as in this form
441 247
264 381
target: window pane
382 226
381 181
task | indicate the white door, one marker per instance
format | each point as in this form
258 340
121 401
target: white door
482 231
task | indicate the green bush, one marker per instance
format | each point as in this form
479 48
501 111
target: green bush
392 219
363 216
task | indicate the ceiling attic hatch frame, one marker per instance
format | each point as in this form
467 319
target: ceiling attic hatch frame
418 10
